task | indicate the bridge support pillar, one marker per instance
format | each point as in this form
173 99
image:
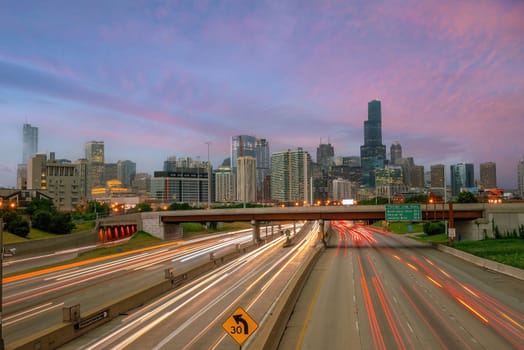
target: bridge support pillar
153 224
256 230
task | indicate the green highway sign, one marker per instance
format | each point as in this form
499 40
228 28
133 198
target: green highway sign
403 212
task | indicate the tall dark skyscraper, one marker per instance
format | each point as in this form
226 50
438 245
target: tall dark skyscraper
372 152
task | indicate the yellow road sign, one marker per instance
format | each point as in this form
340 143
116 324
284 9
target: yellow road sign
240 326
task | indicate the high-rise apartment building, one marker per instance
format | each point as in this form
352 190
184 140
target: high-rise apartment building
437 175
372 152
520 177
290 176
488 175
263 164
462 176
396 152
30 145
246 179
225 188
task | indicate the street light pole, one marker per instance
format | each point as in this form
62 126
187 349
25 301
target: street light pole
1 284
208 177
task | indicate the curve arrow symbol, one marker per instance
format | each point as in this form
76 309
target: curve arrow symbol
238 319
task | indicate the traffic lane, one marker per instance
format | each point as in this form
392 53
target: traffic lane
195 313
36 308
254 287
493 284
403 307
74 275
464 305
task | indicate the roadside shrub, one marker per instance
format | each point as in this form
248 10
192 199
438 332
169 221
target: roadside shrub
19 227
434 228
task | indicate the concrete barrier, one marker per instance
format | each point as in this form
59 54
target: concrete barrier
268 336
39 246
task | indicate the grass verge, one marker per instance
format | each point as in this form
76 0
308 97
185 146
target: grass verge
509 251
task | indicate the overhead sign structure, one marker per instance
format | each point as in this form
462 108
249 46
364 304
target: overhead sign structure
403 212
240 326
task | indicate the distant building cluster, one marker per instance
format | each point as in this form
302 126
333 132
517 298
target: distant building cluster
250 174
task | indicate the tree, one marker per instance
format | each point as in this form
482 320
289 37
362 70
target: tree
40 204
466 197
45 217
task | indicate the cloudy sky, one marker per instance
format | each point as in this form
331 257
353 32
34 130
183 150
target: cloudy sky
153 79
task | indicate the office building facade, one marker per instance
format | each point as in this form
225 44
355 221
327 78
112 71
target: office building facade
437 175
373 152
60 179
126 171
263 169
30 142
396 152
94 155
488 175
462 176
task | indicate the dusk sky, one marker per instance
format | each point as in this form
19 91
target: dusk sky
154 79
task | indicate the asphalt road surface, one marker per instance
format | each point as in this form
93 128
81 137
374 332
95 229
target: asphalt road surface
375 290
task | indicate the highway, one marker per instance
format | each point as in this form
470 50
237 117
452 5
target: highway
375 290
33 301
192 316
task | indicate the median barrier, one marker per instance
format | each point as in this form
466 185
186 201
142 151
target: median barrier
268 337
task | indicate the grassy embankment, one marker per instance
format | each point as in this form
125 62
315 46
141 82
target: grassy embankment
509 251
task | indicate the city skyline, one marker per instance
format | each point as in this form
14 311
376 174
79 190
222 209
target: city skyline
157 80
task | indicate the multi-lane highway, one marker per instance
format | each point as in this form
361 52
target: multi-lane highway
375 290
192 317
34 301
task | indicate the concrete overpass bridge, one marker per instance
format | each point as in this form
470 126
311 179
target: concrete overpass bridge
472 221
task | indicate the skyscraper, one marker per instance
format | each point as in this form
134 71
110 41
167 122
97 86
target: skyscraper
242 146
437 176
126 171
372 152
246 179
290 174
396 152
30 147
462 176
488 175
94 154
263 164
325 154
225 185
